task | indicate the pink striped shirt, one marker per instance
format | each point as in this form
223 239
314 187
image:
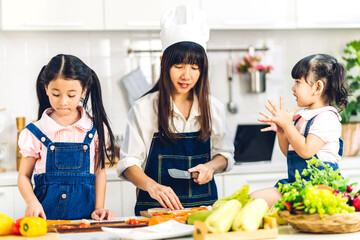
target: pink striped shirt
30 146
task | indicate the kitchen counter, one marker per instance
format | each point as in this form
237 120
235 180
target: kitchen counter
285 233
350 164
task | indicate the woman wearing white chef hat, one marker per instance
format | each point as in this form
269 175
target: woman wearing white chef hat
177 124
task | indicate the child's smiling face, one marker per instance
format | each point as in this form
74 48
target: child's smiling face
64 95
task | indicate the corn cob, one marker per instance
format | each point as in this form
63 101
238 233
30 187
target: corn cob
221 219
250 216
240 195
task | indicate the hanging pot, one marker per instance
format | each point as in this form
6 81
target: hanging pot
257 81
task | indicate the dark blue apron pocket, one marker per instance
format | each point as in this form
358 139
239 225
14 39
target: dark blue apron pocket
184 188
69 157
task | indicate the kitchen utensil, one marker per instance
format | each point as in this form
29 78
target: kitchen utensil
20 125
177 173
231 106
135 85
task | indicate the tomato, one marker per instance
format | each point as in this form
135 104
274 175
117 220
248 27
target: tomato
65 227
356 203
349 188
83 225
133 221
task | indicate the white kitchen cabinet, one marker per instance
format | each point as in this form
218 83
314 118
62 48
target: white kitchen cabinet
245 14
52 14
7 201
19 204
328 14
138 14
113 197
220 185
128 198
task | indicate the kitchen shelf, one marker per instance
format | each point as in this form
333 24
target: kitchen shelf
249 49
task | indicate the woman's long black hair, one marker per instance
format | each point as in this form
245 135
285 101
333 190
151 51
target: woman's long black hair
70 68
183 53
327 69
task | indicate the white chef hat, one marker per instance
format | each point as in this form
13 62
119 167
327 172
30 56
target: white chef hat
184 23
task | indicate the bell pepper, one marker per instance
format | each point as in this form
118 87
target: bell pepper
5 224
33 226
15 229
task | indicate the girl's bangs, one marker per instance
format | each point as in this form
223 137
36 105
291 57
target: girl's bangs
187 53
301 69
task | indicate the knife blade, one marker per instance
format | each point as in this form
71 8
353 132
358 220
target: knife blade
181 174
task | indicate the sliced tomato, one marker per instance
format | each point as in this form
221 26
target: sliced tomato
83 225
65 227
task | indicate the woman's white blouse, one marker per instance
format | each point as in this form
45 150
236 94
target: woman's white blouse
142 123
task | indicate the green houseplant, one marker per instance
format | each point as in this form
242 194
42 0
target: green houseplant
352 66
351 128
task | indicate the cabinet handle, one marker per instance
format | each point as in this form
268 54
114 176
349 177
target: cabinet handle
353 22
143 23
55 24
241 23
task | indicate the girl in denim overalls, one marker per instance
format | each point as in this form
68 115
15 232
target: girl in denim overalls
66 146
320 86
177 125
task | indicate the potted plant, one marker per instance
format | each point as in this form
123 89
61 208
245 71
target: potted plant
350 126
255 71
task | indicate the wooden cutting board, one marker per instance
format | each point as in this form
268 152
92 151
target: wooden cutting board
94 227
149 213
47 236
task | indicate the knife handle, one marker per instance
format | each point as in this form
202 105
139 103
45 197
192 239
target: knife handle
194 174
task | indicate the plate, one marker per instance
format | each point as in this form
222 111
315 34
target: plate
167 229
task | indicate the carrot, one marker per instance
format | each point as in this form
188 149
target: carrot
159 219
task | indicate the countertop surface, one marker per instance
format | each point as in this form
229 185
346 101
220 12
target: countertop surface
349 164
285 233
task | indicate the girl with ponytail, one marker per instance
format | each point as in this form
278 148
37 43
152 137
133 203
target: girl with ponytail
67 146
320 87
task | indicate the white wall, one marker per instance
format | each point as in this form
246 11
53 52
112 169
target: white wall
22 54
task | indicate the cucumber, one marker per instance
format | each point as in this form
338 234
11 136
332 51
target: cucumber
198 216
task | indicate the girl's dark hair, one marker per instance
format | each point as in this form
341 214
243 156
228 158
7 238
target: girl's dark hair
182 53
69 67
327 69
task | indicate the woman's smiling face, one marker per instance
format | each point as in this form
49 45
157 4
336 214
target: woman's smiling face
184 77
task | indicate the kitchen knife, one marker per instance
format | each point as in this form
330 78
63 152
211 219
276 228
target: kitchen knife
176 173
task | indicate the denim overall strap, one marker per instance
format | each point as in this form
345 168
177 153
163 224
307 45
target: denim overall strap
90 135
295 162
186 153
67 189
39 134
